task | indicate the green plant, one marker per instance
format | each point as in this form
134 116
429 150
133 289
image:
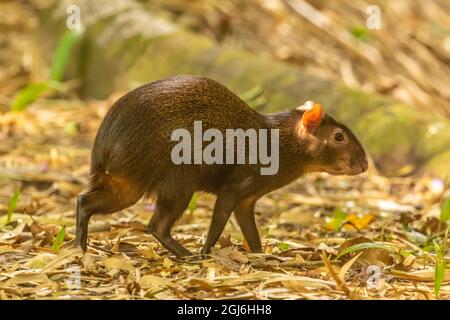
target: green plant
34 91
12 205
361 33
62 54
445 212
369 245
283 246
439 271
59 239
336 219
193 203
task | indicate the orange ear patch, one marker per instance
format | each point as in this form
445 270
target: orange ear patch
311 119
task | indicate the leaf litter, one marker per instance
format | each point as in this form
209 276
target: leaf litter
366 237
310 252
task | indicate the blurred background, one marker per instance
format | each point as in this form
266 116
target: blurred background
381 67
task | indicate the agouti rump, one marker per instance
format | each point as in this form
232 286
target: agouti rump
132 157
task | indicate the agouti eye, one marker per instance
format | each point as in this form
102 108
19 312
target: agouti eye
338 136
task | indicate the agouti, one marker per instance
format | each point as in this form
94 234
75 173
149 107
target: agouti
133 156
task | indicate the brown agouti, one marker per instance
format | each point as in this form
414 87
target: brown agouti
133 156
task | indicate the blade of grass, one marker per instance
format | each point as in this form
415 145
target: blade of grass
445 212
12 205
28 95
439 272
193 203
369 245
58 240
63 52
33 91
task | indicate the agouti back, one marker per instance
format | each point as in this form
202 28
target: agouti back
132 152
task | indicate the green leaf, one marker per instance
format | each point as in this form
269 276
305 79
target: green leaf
28 95
445 213
337 219
12 205
283 246
439 274
193 203
439 271
71 128
63 52
35 90
369 245
361 33
59 239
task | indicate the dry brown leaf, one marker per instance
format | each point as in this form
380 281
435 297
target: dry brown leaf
28 278
347 266
419 275
167 263
118 262
341 284
6 235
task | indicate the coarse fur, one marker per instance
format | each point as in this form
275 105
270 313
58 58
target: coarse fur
131 156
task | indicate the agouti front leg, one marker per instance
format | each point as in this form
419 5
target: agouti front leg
245 216
167 212
225 204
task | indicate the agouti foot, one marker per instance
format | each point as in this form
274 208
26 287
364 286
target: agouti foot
181 252
205 252
82 246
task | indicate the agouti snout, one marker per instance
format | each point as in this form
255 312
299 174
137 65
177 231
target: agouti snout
138 151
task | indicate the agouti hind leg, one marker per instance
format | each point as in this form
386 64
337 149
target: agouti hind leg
167 212
114 196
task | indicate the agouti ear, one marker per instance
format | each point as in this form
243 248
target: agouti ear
311 118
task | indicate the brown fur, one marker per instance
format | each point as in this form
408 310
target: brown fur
131 157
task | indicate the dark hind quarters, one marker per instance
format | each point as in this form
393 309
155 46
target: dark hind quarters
108 194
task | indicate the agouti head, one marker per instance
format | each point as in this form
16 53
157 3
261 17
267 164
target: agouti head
333 147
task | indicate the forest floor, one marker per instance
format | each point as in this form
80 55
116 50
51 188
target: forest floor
324 237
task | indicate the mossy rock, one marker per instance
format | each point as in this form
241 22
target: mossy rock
397 136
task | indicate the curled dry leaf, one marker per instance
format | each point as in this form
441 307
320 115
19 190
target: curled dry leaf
149 253
359 222
225 240
167 263
6 235
118 262
426 275
38 278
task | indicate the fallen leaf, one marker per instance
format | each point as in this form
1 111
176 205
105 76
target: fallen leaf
167 263
118 262
358 221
